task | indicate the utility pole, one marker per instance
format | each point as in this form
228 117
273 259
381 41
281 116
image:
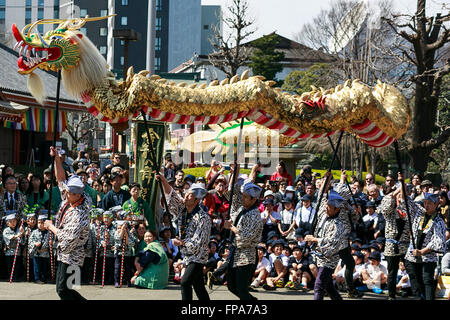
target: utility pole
125 35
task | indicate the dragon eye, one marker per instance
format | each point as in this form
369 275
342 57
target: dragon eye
55 37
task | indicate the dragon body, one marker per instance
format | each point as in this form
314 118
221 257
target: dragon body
378 115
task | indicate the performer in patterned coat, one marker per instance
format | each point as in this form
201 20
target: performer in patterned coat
397 237
428 229
71 230
194 225
348 217
246 231
331 236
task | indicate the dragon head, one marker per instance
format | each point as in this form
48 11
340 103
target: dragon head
63 49
56 50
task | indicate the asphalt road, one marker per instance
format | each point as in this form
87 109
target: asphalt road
32 291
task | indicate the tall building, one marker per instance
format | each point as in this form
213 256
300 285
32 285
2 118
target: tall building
211 19
23 12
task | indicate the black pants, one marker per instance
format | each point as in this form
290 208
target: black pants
393 262
28 263
109 270
238 280
64 292
221 270
193 277
18 269
421 276
43 269
3 269
87 270
127 262
347 258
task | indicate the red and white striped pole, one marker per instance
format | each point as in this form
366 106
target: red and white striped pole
96 253
28 265
104 257
15 256
50 251
121 263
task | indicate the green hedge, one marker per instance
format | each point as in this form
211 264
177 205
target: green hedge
201 172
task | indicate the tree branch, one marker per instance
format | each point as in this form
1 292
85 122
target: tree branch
433 143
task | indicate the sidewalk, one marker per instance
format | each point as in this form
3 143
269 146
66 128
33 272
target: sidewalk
32 291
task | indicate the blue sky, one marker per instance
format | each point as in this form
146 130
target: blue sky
287 16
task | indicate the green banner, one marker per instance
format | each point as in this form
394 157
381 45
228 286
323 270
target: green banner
144 163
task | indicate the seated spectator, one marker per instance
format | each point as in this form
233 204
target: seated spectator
286 227
339 274
304 213
220 273
281 172
365 250
282 189
305 174
354 248
311 190
286 250
390 180
279 263
369 179
290 194
374 194
167 223
416 180
299 266
213 257
403 284
358 190
217 224
269 194
444 206
374 276
358 222
425 187
370 221
299 188
170 249
445 263
178 268
152 268
262 268
270 218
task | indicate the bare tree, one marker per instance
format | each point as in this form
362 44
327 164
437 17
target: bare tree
229 53
352 32
426 36
79 129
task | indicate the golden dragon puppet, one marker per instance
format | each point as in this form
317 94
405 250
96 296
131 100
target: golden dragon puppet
378 115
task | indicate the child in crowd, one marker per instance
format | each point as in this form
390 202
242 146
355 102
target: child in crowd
13 236
262 268
39 252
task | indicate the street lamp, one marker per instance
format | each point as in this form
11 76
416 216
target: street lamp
126 35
